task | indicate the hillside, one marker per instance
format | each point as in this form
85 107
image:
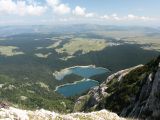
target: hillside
132 92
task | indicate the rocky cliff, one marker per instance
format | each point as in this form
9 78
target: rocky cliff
133 92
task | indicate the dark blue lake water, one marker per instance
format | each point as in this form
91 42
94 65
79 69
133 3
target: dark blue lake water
81 86
76 88
83 71
89 71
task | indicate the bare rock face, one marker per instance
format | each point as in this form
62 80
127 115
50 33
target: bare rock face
153 102
147 105
120 74
18 114
133 93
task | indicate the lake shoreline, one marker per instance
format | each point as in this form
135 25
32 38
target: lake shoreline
59 75
74 83
75 88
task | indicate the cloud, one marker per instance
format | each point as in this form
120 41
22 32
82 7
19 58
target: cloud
90 15
134 17
62 9
129 17
38 10
58 7
79 11
106 17
21 8
115 17
52 2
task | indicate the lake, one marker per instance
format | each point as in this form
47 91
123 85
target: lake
83 71
76 87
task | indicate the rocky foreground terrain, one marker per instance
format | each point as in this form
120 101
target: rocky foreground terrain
133 93
10 113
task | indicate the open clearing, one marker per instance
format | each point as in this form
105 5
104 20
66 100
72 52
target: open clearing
82 45
9 51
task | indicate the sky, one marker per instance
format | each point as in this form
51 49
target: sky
50 12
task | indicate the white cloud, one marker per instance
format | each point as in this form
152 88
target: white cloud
79 11
52 3
106 17
58 7
115 17
62 9
89 15
38 10
129 17
134 17
7 6
20 8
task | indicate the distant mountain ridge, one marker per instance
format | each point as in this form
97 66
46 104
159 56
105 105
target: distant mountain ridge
71 28
133 93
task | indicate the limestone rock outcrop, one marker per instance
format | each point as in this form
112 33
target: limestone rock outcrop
18 114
